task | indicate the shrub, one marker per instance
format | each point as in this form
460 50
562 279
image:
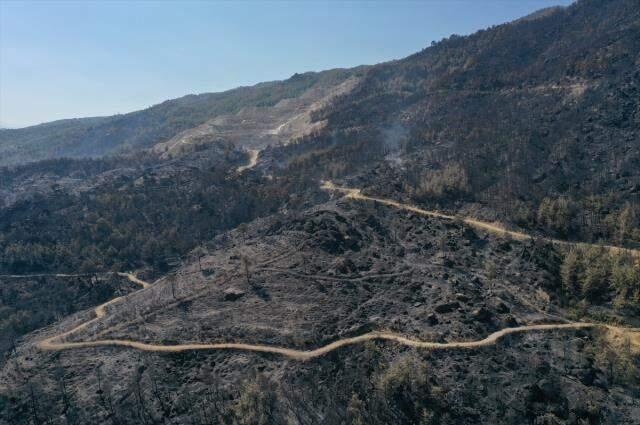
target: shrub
355 410
451 180
404 387
256 404
569 271
556 215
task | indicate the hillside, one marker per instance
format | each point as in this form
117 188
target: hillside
535 123
93 137
32 302
449 238
340 269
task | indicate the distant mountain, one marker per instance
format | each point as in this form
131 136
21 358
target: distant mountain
93 137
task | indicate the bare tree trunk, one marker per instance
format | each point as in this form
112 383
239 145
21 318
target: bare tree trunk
34 405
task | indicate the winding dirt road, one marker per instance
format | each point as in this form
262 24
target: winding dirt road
100 311
55 342
253 160
352 193
306 354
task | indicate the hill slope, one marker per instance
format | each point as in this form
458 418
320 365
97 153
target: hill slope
93 137
534 123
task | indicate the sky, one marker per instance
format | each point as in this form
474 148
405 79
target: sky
76 59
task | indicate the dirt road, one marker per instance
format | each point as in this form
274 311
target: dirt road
49 344
55 342
100 311
352 193
253 160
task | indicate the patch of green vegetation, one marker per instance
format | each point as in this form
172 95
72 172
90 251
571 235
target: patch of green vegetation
595 276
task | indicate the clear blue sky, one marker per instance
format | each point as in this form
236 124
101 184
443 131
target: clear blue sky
75 59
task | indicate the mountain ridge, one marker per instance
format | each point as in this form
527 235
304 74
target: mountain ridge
141 129
92 136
